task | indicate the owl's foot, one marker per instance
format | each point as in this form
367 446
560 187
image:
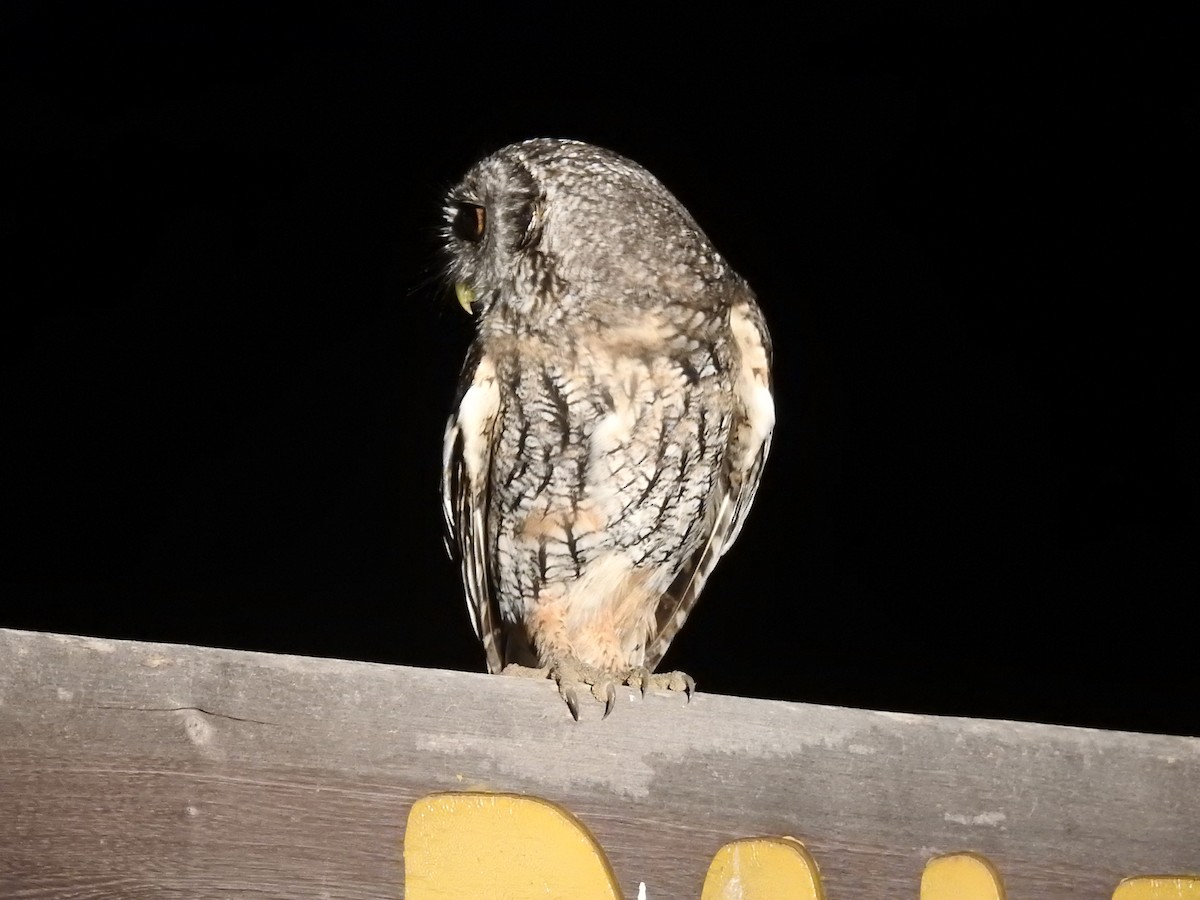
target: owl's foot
639 677
568 673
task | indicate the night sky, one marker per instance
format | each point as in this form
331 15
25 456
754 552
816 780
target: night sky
227 354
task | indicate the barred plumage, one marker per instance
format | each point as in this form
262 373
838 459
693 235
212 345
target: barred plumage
613 417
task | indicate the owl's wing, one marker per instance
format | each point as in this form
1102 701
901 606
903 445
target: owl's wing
749 443
466 479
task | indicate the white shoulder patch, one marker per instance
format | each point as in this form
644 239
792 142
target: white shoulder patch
466 468
476 413
753 386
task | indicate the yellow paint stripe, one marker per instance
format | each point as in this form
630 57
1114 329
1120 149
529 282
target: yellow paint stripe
501 846
1159 887
763 869
961 876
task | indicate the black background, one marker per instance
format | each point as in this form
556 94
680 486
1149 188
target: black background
227 357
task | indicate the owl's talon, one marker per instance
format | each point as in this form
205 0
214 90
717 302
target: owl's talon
606 693
567 691
569 673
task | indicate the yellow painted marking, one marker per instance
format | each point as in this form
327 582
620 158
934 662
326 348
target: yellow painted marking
763 869
1159 887
511 847
961 876
501 846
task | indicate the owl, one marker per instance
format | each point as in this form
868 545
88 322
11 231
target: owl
612 419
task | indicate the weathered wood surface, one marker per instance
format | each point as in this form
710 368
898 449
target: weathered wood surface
156 770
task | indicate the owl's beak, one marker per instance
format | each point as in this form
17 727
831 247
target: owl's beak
465 295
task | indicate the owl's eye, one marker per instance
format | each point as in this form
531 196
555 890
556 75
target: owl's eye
470 222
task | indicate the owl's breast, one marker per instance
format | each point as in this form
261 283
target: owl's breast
600 452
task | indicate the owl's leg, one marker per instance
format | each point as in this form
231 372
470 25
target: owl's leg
639 677
568 672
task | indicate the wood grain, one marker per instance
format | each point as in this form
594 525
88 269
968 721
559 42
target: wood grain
155 770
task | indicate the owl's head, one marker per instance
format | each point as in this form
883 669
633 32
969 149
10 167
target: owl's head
557 224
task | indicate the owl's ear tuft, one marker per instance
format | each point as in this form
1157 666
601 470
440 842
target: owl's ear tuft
470 221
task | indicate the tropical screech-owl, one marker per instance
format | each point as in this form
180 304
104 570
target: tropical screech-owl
613 415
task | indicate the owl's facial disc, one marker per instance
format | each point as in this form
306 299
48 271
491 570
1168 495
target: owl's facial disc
492 224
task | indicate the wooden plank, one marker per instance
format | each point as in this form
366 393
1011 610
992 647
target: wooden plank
156 770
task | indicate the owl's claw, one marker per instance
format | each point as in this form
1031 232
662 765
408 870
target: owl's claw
605 692
610 695
569 673
680 681
566 690
566 676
